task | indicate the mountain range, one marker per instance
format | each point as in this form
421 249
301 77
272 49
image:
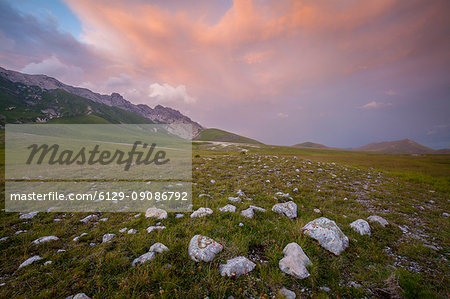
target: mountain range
39 98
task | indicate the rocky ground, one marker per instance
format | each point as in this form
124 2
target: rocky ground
262 225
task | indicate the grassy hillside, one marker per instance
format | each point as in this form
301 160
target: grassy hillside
224 136
397 146
24 104
405 259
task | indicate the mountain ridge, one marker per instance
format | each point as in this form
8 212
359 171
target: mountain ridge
158 114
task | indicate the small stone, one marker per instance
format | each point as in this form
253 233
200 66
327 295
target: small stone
60 250
81 296
89 218
241 224
92 244
326 289
179 216
20 232
201 212
295 261
240 193
122 230
156 213
30 261
287 294
235 199
104 219
281 194
352 284
144 258
158 247
45 239
361 226
228 208
28 215
107 238
383 222
328 234
4 239
132 231
152 228
202 248
248 213
48 263
317 211
288 209
258 209
213 181
445 214
237 266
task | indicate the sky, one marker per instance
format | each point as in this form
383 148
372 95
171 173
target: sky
340 73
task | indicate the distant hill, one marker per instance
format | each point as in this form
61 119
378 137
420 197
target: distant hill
406 146
312 145
223 136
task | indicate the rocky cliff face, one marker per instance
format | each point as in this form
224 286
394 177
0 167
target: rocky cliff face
159 114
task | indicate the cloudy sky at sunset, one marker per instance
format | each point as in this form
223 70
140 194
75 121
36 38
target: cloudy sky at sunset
342 73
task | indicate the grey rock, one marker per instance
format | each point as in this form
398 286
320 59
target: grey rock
28 215
132 231
144 258
48 263
45 239
248 213
152 228
81 296
158 247
228 208
107 238
328 234
179 216
156 213
383 222
89 218
202 248
326 289
294 261
258 209
237 266
122 230
4 239
235 199
30 261
285 293
201 212
289 209
361 226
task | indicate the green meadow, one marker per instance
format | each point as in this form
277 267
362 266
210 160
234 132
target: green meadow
408 258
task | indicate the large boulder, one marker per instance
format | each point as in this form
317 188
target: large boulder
156 213
328 234
361 226
295 261
237 266
202 248
288 209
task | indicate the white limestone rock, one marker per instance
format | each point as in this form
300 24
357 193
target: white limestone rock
287 294
45 239
289 209
294 261
235 199
89 218
30 261
361 226
248 213
107 238
28 215
201 212
158 247
202 248
228 208
152 228
237 266
144 258
383 222
328 234
156 213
